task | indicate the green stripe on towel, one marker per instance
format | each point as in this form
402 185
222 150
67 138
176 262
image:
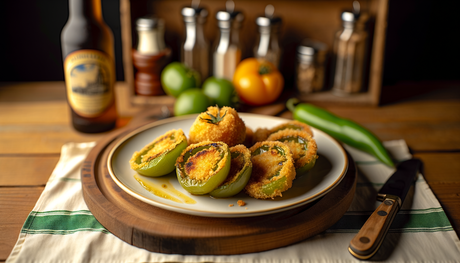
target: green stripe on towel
421 220
61 222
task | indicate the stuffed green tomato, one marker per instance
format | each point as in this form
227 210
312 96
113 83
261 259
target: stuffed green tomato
240 172
203 166
158 158
341 129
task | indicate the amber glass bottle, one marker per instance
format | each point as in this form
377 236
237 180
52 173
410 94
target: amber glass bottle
89 67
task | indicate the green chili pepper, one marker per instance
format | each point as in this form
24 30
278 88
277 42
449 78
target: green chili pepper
240 172
344 130
204 166
158 158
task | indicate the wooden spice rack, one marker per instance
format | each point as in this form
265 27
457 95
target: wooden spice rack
312 19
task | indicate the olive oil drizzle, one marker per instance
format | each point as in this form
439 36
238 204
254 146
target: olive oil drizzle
163 188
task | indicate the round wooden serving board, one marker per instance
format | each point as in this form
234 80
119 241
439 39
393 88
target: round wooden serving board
159 230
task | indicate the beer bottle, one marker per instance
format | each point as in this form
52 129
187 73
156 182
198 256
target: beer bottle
89 67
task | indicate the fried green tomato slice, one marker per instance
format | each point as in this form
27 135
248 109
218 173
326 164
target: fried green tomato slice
303 148
292 125
158 158
272 170
261 134
240 172
203 166
218 125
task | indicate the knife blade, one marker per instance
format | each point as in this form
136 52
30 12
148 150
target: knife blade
392 194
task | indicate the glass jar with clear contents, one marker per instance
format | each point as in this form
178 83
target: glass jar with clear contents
267 46
227 50
350 50
195 48
310 70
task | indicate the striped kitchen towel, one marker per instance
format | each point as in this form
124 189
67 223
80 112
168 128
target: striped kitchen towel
62 229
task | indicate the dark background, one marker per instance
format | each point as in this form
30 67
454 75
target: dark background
421 40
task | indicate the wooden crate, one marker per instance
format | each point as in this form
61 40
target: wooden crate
314 19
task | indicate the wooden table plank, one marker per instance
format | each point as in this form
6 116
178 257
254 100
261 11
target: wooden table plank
441 167
27 170
15 205
40 139
43 112
38 91
425 125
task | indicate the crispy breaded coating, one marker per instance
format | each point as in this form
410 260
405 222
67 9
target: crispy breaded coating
161 145
294 125
205 162
261 134
249 136
304 151
272 170
230 128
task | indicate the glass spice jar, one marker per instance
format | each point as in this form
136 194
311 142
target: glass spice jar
267 46
195 48
350 49
310 70
227 51
150 56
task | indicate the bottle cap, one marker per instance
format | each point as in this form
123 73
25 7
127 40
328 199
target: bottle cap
310 48
148 23
191 14
268 19
228 17
348 16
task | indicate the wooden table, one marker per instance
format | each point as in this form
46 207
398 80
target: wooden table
34 124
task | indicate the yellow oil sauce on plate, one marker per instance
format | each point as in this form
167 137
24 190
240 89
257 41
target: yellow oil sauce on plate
163 188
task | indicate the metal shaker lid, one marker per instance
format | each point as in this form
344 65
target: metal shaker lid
353 15
191 14
148 23
310 48
268 19
229 16
349 16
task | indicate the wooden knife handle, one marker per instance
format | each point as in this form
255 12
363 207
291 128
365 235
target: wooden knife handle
368 240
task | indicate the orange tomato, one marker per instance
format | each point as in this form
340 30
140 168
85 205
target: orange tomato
257 82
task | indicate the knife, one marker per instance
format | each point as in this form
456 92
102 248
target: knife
368 240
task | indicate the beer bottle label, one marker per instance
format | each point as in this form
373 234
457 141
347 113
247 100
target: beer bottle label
89 78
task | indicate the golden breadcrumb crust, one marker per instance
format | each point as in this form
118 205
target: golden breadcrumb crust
266 165
249 137
237 164
301 157
161 145
202 165
230 130
261 134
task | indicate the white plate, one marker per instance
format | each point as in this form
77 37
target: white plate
329 170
